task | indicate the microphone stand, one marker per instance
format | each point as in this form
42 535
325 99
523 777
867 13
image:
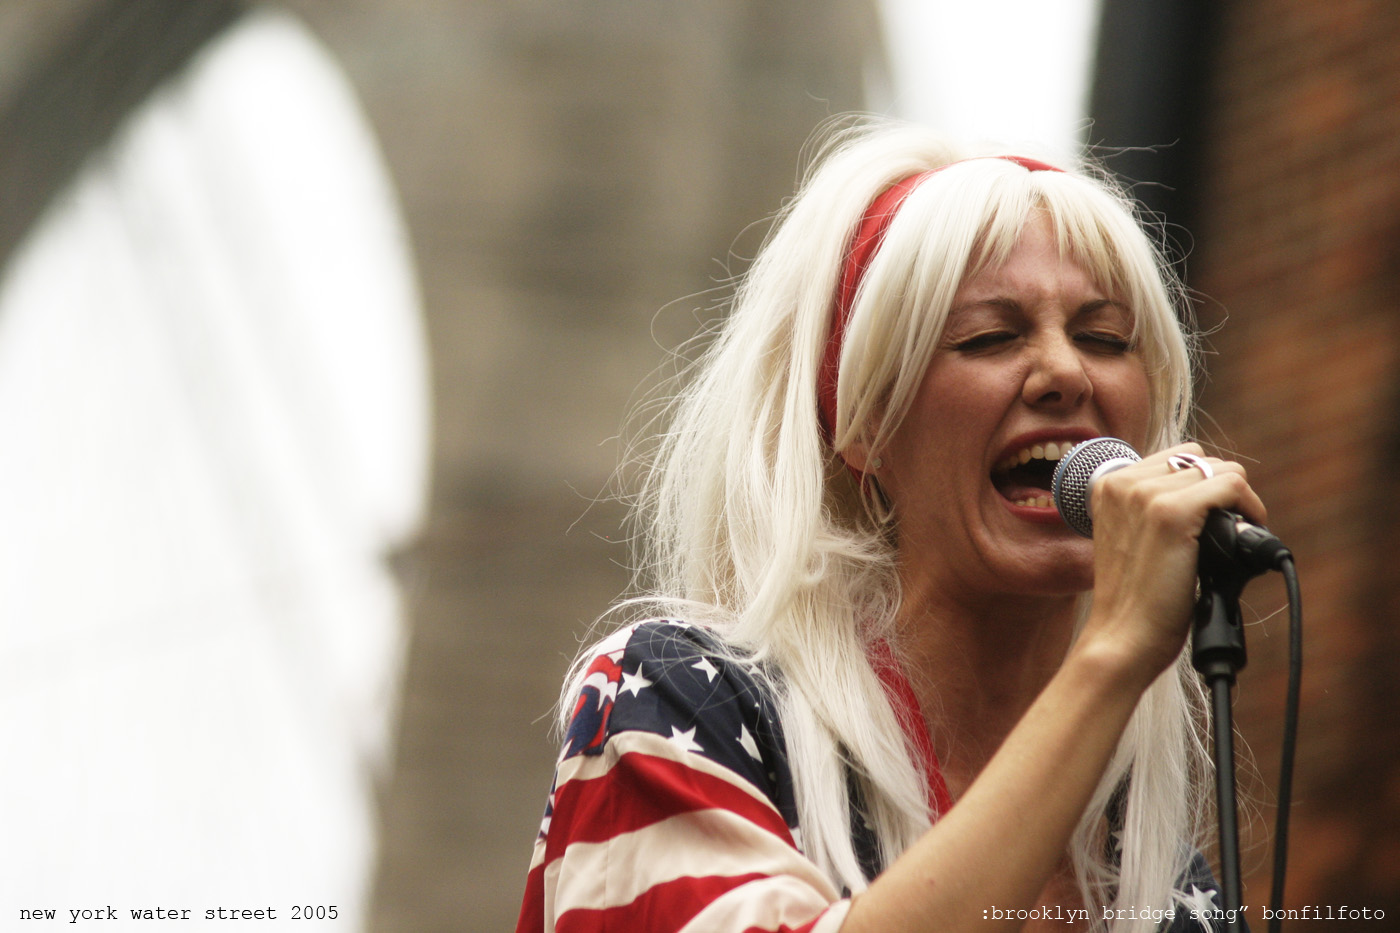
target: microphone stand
1218 653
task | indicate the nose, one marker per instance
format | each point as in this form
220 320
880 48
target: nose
1056 376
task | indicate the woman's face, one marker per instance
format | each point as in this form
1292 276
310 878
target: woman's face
1034 357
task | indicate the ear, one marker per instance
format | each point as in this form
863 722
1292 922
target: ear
862 455
859 458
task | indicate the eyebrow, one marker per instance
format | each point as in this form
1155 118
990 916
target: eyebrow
1013 306
1098 304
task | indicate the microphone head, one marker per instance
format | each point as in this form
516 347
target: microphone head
1075 475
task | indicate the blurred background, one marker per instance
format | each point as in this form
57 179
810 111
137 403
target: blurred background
319 321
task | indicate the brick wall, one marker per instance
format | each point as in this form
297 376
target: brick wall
1296 257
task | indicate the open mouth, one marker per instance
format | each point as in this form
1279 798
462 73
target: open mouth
1023 478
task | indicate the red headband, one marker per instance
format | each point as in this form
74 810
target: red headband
866 242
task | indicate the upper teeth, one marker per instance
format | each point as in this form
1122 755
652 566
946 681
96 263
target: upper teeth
1051 450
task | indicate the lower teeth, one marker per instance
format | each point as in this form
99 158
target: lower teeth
1039 502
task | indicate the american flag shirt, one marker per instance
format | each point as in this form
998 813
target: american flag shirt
673 806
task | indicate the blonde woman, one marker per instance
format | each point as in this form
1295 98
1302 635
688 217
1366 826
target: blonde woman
871 681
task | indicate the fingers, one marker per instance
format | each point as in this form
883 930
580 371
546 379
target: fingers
1201 483
1148 518
1191 462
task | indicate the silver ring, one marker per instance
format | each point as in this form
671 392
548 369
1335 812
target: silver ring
1188 461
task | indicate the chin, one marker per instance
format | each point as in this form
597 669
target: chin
1064 568
1057 586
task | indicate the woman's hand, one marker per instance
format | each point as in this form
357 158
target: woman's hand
1148 519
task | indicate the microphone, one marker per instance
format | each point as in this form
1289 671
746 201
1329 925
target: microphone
1227 540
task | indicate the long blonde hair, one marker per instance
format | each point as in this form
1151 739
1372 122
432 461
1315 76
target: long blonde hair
750 524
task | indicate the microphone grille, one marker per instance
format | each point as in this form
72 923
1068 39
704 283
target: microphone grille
1071 483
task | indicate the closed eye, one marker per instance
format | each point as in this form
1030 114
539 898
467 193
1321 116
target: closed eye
1105 342
984 341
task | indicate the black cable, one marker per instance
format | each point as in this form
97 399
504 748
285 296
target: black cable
1290 739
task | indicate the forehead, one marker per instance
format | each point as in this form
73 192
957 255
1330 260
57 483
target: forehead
1037 267
1058 228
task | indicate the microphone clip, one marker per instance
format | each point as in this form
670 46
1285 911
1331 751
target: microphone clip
1233 551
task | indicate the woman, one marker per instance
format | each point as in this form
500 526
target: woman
897 692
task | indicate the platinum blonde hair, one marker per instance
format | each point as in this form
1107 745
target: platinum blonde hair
749 522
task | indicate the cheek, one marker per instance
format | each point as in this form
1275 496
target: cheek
1128 401
947 415
932 437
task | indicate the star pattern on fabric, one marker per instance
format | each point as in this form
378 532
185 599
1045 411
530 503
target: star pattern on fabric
748 744
703 665
685 741
654 685
1200 900
634 683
